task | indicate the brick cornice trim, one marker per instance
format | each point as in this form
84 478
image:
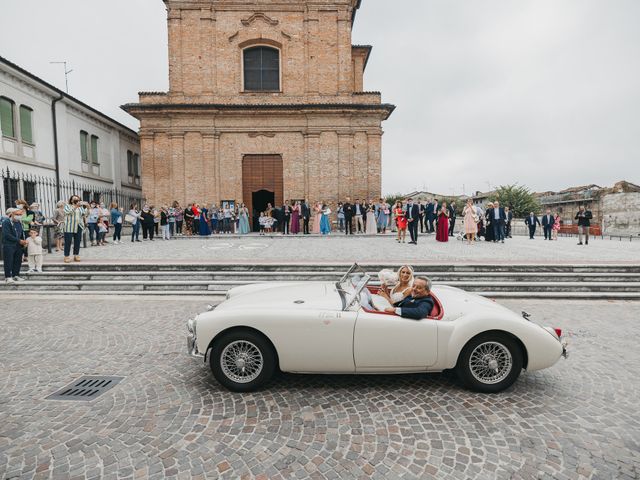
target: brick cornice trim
132 108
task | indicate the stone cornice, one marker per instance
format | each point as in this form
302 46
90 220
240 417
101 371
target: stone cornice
385 108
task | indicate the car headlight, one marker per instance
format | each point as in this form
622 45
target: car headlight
191 326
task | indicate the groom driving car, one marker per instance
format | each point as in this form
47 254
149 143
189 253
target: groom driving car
418 305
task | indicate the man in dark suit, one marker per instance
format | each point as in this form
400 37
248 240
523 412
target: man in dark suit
531 221
413 217
432 214
497 217
507 222
419 304
306 215
547 224
452 217
423 212
584 218
348 217
286 217
13 241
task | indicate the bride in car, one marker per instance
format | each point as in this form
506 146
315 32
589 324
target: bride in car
394 288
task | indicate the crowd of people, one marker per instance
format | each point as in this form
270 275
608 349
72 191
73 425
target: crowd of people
22 225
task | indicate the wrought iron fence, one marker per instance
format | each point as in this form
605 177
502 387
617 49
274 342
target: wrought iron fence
47 192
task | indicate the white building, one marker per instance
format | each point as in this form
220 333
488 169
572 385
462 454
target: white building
50 136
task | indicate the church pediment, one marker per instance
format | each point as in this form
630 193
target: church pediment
259 16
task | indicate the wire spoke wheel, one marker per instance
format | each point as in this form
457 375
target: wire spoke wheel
241 361
490 362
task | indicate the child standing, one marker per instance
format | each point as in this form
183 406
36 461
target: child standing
34 251
262 223
102 231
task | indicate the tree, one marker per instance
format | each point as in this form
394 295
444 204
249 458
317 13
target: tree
518 198
393 198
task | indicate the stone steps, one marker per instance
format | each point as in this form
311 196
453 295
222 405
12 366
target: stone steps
329 276
498 281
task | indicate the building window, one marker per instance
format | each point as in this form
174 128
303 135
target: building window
84 146
94 150
29 191
133 167
261 69
10 192
26 126
6 117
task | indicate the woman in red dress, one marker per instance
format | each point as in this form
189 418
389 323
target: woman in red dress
401 222
442 234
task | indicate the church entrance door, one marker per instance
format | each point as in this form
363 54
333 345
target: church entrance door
260 201
262 183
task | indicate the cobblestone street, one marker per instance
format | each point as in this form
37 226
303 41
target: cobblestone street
169 419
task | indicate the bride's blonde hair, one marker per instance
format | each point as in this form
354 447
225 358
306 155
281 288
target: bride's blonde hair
408 267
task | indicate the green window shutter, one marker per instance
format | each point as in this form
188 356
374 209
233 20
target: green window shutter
94 150
6 117
129 162
84 140
25 124
136 164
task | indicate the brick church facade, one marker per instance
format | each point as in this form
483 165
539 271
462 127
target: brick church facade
265 104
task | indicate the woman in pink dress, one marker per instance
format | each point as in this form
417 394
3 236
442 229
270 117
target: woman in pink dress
442 234
317 209
556 227
295 219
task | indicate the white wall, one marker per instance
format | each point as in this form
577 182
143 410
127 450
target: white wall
15 153
621 213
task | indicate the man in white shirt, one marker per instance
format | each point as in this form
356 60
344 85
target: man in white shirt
358 212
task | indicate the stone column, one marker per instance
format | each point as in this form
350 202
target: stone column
344 52
374 163
194 166
209 57
174 20
312 166
312 51
346 178
176 167
147 160
210 176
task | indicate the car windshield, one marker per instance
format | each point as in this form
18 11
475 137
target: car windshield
351 284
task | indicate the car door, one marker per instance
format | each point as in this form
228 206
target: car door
384 342
314 342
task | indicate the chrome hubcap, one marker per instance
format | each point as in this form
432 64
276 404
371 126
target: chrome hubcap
241 361
490 362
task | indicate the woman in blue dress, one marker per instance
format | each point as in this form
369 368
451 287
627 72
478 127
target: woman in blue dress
325 225
205 231
383 211
243 226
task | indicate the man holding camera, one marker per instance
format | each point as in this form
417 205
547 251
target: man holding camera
74 216
583 217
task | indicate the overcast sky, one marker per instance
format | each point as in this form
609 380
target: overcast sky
545 93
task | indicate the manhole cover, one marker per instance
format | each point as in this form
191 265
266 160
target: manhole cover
86 388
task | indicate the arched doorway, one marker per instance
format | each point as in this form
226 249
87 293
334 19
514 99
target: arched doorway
262 183
260 200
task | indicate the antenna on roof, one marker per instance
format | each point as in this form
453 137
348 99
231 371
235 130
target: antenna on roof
66 74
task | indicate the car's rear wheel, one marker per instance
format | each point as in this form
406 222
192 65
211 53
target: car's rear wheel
490 363
242 360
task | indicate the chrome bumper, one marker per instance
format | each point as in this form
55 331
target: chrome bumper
192 344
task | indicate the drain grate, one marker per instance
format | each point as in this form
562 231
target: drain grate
86 388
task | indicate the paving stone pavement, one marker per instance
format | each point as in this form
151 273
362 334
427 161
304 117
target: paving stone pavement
169 418
339 248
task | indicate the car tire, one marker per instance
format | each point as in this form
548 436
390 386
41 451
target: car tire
490 363
242 360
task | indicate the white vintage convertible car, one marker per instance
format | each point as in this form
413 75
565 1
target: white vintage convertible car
324 327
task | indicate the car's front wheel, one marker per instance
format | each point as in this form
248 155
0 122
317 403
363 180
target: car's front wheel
242 360
490 363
